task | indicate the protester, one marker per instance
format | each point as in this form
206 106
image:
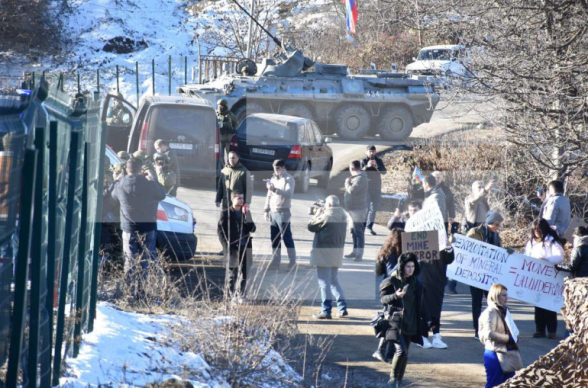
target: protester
449 200
329 226
498 333
398 220
433 276
280 189
402 294
476 205
556 207
544 244
174 165
374 169
234 231
233 177
139 197
389 253
165 176
488 233
434 196
356 191
228 126
579 258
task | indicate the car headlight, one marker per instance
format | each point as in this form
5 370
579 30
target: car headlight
175 212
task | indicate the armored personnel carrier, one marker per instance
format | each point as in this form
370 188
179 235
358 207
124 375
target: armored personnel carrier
352 106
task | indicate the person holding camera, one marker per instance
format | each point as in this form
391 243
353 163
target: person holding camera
329 226
398 220
476 205
165 176
402 293
374 168
356 194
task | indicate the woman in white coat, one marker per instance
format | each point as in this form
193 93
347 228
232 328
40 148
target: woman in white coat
544 245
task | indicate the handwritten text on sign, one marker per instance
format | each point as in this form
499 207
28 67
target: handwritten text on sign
424 245
530 280
429 218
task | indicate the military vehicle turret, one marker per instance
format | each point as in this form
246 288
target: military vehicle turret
352 106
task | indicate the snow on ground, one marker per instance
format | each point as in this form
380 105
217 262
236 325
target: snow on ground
131 349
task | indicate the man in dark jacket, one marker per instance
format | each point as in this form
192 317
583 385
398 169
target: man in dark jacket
233 177
374 168
356 191
234 230
329 226
578 265
139 197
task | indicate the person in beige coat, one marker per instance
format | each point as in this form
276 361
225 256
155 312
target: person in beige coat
498 333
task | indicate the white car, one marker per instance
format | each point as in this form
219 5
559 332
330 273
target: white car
440 61
175 224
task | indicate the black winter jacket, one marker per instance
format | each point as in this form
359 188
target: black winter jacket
578 261
138 198
231 231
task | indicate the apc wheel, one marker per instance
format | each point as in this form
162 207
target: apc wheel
353 122
296 109
396 124
323 181
247 109
304 181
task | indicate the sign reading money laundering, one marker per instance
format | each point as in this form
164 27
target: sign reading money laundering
423 244
429 218
530 280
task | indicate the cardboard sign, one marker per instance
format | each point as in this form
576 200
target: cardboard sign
424 244
574 223
429 218
529 280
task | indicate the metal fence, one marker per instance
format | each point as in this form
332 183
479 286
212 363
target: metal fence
51 168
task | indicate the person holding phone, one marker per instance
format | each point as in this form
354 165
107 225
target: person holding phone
374 168
402 293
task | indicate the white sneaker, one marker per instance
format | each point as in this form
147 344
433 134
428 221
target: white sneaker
426 344
437 343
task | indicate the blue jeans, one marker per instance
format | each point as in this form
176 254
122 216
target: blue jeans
373 203
494 374
139 243
280 230
329 284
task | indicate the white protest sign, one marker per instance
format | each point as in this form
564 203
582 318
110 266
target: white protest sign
429 218
530 280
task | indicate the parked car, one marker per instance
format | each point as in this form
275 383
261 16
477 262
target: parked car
175 224
262 138
188 124
440 61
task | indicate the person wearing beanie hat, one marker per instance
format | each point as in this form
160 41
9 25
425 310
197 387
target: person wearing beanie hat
488 233
374 168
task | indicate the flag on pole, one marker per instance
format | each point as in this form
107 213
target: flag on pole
416 175
351 12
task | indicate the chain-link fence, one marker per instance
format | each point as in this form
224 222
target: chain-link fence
51 168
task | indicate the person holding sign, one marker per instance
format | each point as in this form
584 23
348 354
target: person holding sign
402 294
544 245
499 334
434 195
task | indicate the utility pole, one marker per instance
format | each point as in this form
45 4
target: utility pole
250 35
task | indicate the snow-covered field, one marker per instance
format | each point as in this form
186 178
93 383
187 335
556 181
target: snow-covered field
131 349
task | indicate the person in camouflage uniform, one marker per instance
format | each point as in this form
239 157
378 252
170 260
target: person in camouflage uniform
123 155
111 235
165 176
147 164
116 114
174 165
229 126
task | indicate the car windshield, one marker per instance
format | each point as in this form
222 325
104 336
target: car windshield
256 130
434 54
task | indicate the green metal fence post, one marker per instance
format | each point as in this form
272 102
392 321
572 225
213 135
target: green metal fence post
117 82
22 267
185 70
153 77
74 161
79 312
36 260
51 247
98 80
97 230
137 80
169 74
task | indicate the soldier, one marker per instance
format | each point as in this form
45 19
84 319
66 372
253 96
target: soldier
123 155
163 147
118 114
229 125
165 176
147 164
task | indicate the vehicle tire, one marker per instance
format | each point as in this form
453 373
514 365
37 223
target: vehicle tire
247 109
323 181
304 181
396 124
297 109
353 122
